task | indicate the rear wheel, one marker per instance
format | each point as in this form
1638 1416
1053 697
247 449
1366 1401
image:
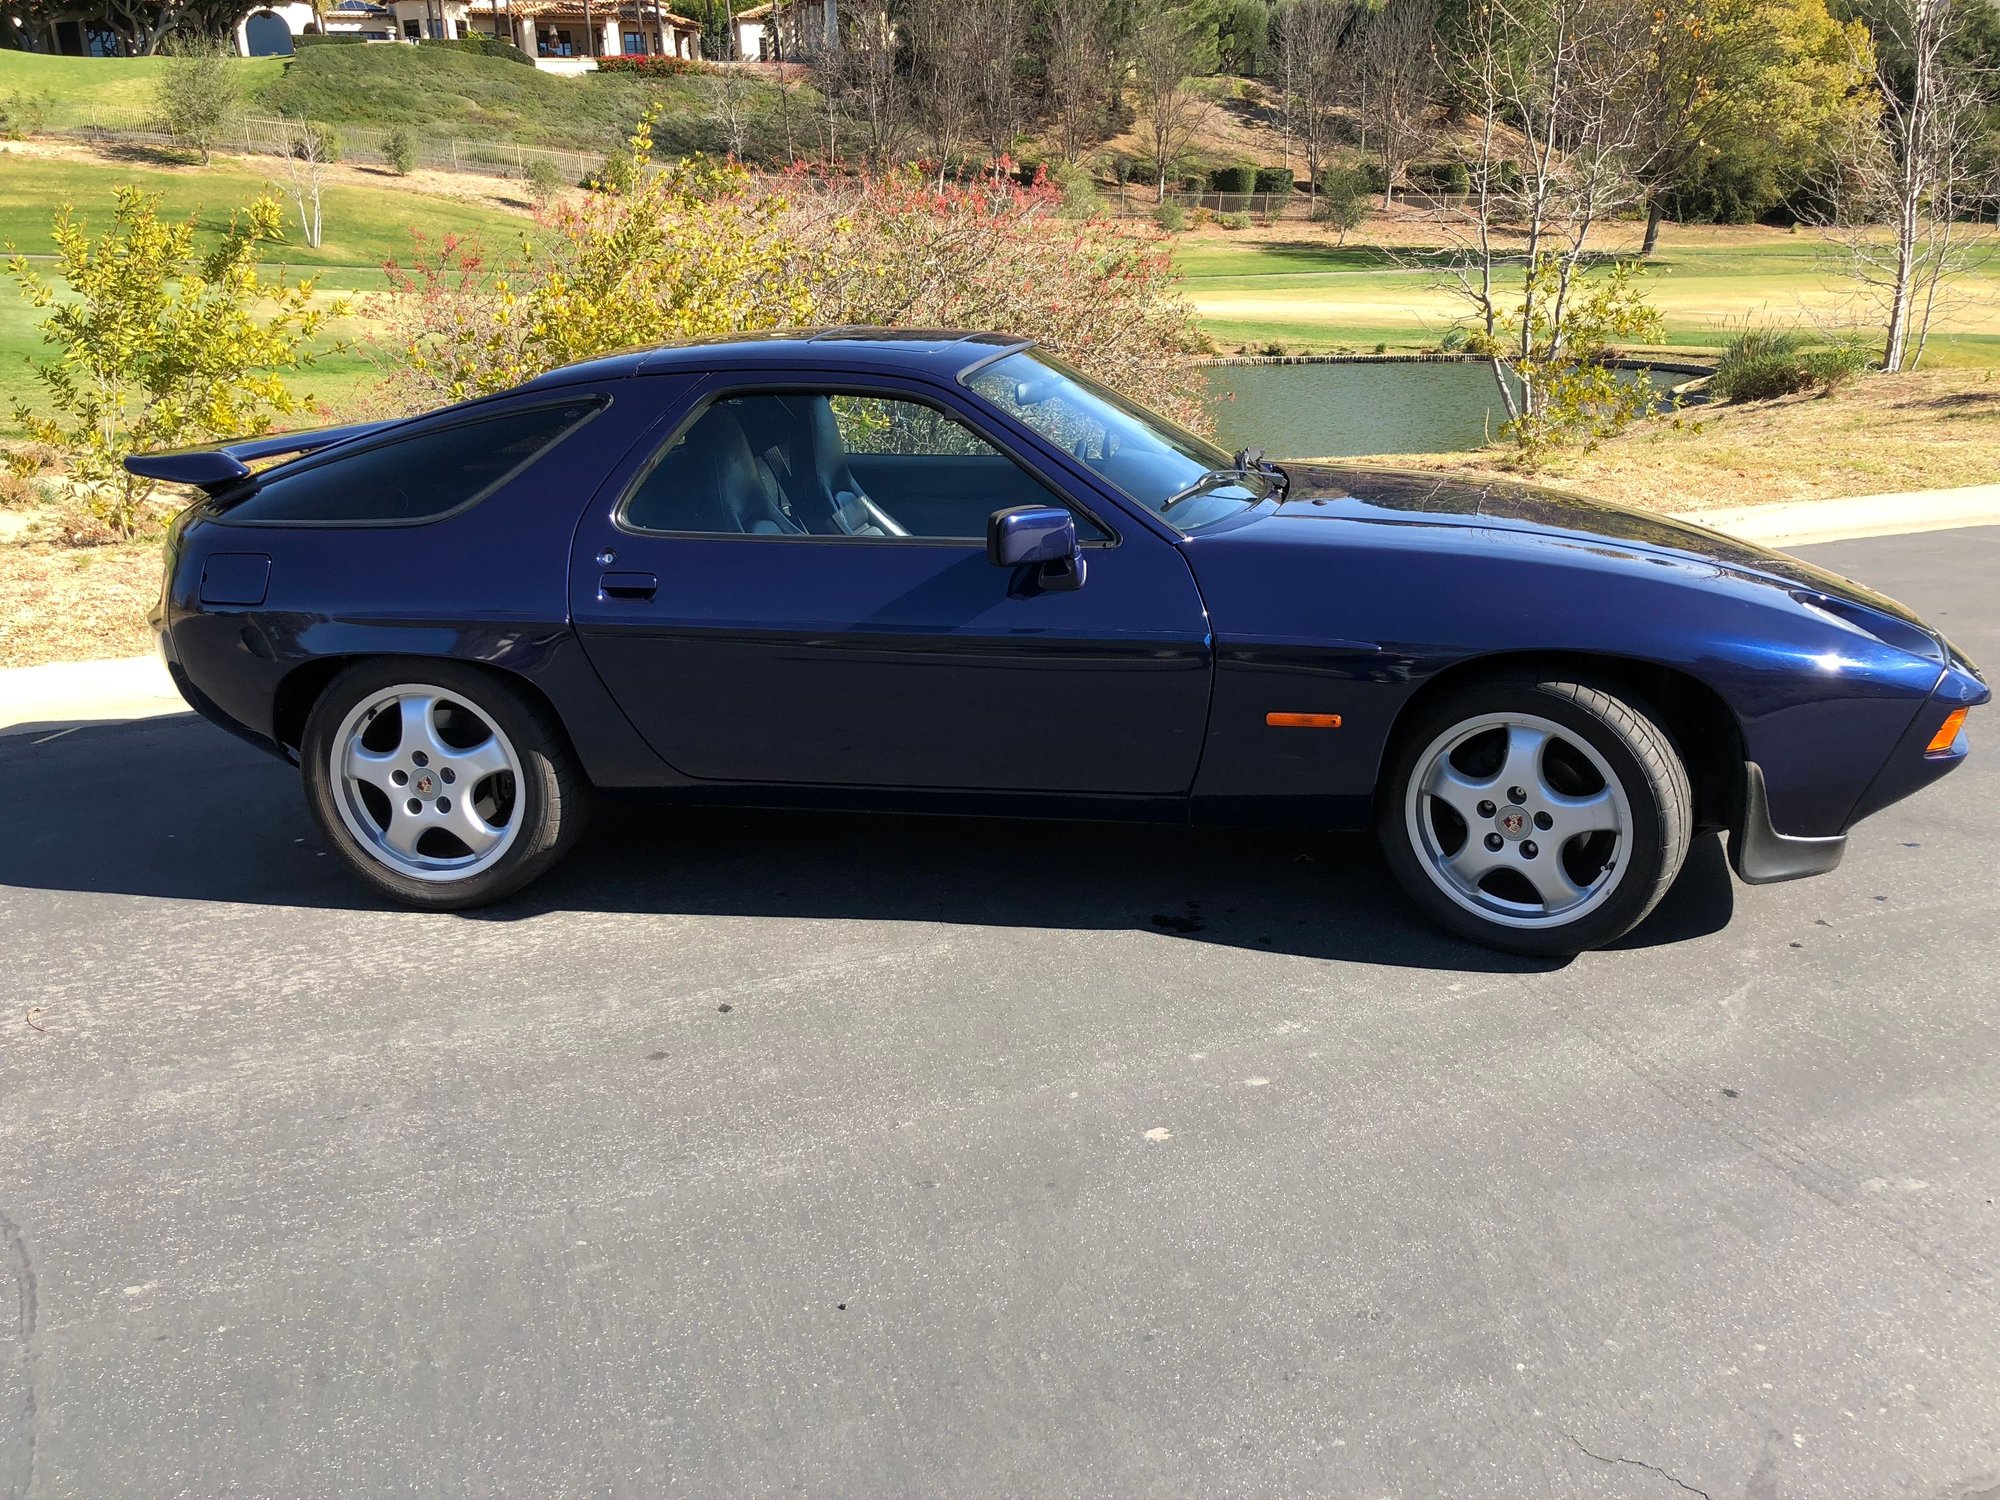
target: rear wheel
1536 815
439 784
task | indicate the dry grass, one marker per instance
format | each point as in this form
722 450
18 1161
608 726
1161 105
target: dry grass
61 603
1884 435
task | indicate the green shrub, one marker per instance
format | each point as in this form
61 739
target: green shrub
1727 189
332 39
482 46
1026 171
1762 364
1441 177
1236 179
400 147
197 95
1079 190
1193 182
1274 179
1170 217
316 139
1233 221
1343 199
23 114
544 177
1375 178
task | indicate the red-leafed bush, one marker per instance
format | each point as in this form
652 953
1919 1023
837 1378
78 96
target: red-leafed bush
989 253
650 66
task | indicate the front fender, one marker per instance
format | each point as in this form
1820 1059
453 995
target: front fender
1354 618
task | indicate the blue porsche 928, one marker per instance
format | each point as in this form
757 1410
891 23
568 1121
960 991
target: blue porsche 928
941 571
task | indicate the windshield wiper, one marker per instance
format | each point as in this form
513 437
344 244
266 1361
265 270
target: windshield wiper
1248 461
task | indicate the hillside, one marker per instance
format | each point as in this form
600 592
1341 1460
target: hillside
437 92
65 93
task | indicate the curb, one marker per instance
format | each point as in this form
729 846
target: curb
1801 523
53 699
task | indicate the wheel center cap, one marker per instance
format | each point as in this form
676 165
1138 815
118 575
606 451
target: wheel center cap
1513 823
425 783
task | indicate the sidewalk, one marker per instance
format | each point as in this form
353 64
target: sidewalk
1799 523
52 700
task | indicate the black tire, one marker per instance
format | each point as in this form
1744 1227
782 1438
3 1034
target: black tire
1638 752
550 794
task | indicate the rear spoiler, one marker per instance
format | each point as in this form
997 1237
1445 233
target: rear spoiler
212 469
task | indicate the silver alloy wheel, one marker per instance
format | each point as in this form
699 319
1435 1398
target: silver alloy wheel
1522 833
426 782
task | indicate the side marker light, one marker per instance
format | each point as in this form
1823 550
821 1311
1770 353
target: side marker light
1947 734
1303 721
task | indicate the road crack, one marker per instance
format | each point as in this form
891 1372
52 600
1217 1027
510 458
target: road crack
1637 1463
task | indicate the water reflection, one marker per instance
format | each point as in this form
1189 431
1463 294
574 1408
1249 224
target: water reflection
1338 410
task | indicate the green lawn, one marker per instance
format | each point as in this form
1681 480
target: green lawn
1707 284
364 227
437 92
72 91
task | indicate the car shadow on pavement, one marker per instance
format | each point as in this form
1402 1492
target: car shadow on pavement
171 808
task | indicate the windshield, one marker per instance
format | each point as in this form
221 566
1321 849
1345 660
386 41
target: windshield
1164 467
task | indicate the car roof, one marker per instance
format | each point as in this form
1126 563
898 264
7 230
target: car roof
940 353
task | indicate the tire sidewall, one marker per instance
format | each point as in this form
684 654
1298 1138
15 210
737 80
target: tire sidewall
541 805
1642 860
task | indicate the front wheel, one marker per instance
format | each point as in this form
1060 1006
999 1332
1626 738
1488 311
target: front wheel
1538 816
439 784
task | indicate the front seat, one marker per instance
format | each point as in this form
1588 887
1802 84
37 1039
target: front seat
853 511
744 485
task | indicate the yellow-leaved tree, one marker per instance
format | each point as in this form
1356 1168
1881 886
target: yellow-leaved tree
161 346
684 251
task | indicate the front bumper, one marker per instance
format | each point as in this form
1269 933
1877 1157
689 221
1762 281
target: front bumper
1760 854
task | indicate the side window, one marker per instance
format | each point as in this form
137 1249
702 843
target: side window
417 478
832 464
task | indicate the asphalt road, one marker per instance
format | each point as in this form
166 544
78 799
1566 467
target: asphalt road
829 1156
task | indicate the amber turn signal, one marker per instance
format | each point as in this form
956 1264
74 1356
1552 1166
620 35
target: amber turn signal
1947 734
1306 721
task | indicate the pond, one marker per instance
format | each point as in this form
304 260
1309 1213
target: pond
1337 410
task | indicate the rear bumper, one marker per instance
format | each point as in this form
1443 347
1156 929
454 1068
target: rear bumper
1761 855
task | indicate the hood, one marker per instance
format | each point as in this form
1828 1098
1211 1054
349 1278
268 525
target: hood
1390 495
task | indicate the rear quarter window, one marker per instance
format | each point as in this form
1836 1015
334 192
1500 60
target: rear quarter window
420 477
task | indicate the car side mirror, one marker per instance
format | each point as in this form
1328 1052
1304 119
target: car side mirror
1042 537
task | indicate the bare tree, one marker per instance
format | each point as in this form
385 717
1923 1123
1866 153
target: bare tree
729 99
861 67
998 37
1399 76
1312 38
1077 67
1558 72
310 149
946 73
1918 173
1170 47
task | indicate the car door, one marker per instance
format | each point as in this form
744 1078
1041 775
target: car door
764 616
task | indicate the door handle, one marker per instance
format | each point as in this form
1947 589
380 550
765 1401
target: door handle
628 585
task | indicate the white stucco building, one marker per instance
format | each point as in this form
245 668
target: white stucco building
564 36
